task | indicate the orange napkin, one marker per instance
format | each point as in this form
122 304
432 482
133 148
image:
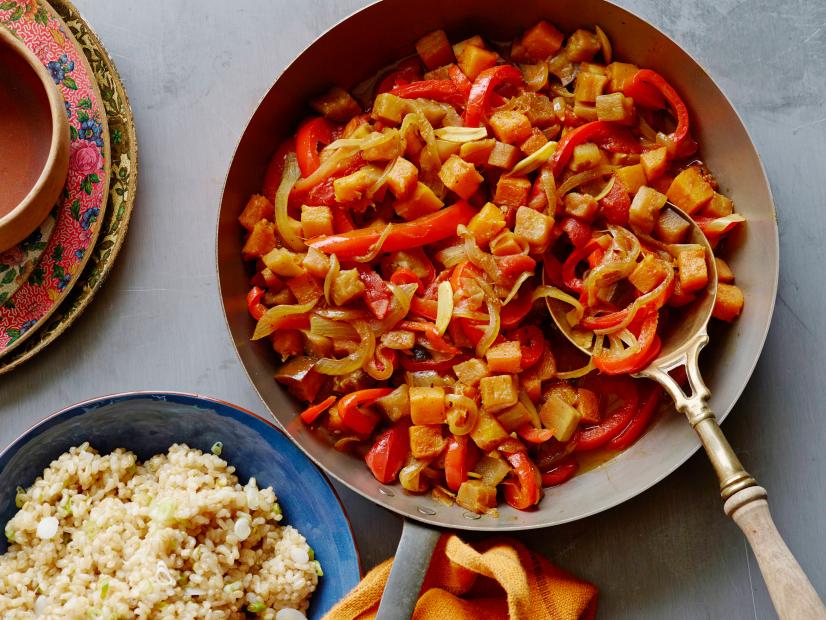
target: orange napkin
494 579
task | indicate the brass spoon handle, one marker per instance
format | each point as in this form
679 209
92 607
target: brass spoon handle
792 593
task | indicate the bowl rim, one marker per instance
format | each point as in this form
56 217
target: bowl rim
598 506
60 128
23 438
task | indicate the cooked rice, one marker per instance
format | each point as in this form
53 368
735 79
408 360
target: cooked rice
175 537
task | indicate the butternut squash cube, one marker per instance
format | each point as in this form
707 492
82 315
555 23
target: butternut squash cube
475 41
510 126
434 49
316 221
583 206
460 176
476 496
446 148
585 157
347 286
534 142
384 146
691 264
427 405
396 405
426 441
615 107
591 67
336 105
389 108
473 60
560 417
260 241
305 288
402 178
316 263
498 392
353 186
488 433
287 343
632 177
283 262
653 162
729 302
486 224
670 227
532 227
420 202
258 208
542 41
399 339
648 274
645 208
718 206
589 86
587 403
505 357
478 151
512 191
582 46
724 272
514 417
471 371
505 244
690 190
585 111
619 74
503 156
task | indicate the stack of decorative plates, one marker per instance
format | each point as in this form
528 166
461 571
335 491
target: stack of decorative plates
50 277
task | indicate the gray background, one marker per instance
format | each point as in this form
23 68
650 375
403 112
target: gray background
195 70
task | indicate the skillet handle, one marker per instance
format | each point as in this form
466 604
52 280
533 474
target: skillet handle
405 581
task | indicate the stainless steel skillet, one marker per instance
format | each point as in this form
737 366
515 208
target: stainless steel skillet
383 32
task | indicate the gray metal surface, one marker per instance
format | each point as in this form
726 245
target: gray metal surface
195 71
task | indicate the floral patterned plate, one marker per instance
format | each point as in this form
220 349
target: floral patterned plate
17 263
84 197
122 185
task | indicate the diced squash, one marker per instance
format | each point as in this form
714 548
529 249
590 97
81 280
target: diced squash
724 272
337 105
632 177
648 274
729 302
399 339
316 221
591 67
512 191
383 147
589 86
532 227
645 208
260 241
691 264
536 106
434 49
478 151
446 149
718 206
585 157
396 405
505 244
690 190
316 263
471 371
317 346
427 405
389 108
475 41
357 127
258 208
420 202
585 111
679 297
488 433
347 286
505 357
284 296
534 142
560 417
486 224
305 288
503 156
510 126
353 186
473 60
565 391
670 227
535 76
542 41
460 176
514 417
619 74
582 46
615 107
587 403
426 441
283 262
583 206
402 178
287 343
498 392
476 496
439 73
653 162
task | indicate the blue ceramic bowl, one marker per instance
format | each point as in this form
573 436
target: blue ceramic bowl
148 423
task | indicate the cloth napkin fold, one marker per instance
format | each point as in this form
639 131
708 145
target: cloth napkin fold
494 579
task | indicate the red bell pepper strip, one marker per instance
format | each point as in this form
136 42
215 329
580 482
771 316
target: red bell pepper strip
275 169
553 269
444 91
376 294
254 305
412 365
415 233
646 78
522 491
342 222
386 458
598 435
616 204
534 435
456 462
632 360
578 231
483 88
569 277
403 275
309 135
605 134
460 80
312 413
513 314
532 343
514 265
431 333
428 308
639 423
408 71
560 473
359 421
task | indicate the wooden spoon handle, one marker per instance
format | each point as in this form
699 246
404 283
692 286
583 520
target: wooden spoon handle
792 593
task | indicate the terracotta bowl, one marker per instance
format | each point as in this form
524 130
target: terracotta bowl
34 141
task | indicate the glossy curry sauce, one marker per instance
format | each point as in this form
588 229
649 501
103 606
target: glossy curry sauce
25 129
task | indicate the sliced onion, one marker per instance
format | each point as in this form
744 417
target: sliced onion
526 401
462 414
554 293
343 143
319 326
470 314
375 248
429 160
515 288
628 338
492 329
346 443
535 159
579 372
339 160
400 306
580 178
330 278
638 303
380 366
375 187
411 476
619 261
461 134
268 322
342 314
605 44
604 192
481 259
287 227
354 361
444 307
451 256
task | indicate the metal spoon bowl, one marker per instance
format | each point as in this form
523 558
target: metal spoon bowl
744 500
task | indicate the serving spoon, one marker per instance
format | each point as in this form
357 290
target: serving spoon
744 500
